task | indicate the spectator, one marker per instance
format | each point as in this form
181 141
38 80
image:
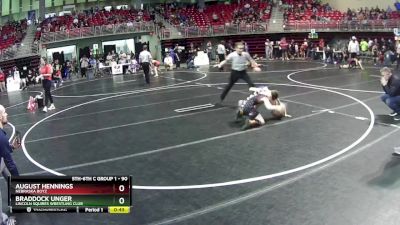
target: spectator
84 65
190 62
397 55
364 46
177 55
391 86
370 43
209 50
23 76
268 49
2 81
284 48
221 51
353 47
6 148
168 62
388 57
215 17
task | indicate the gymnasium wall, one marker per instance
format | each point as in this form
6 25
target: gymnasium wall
343 5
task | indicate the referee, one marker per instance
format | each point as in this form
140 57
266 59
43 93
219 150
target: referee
145 59
240 61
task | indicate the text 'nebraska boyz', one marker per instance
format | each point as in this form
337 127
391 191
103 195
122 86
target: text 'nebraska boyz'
40 188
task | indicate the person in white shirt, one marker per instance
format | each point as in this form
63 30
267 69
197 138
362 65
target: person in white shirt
221 52
296 50
240 61
84 65
133 66
268 49
168 62
145 60
113 63
370 43
353 48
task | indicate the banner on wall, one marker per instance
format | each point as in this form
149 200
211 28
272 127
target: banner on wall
117 69
13 83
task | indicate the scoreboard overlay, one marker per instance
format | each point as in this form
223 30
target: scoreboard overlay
79 194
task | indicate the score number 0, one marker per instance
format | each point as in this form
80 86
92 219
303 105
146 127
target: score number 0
121 188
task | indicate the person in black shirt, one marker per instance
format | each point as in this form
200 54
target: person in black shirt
6 148
24 75
391 85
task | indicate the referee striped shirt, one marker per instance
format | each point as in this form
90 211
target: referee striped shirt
239 62
145 56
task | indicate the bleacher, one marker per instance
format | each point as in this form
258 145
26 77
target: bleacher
103 17
225 13
12 33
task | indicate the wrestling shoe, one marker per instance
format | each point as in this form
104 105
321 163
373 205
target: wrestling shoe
247 125
396 152
238 115
393 113
45 109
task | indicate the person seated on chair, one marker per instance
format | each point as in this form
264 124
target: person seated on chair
168 62
260 96
133 66
190 62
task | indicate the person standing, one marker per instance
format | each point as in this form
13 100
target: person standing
353 48
23 75
268 50
240 61
221 52
209 51
57 74
364 47
45 72
2 81
145 59
284 48
177 58
84 65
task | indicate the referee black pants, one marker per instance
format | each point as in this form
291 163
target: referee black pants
235 76
146 70
47 92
